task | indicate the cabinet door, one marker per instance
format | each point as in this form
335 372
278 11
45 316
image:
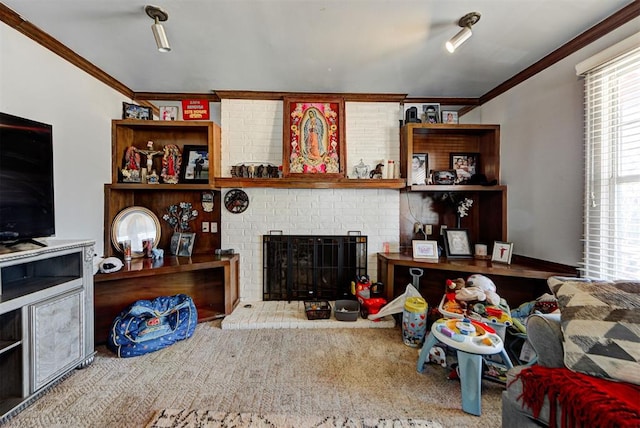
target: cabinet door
56 337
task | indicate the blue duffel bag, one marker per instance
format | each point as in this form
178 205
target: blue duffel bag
149 325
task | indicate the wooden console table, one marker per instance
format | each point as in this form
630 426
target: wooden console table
211 281
523 280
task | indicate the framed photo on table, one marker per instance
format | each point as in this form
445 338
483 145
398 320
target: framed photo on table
419 164
313 134
134 111
185 245
502 252
449 116
465 165
431 113
457 243
195 164
168 113
425 250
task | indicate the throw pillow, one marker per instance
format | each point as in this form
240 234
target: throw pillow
600 322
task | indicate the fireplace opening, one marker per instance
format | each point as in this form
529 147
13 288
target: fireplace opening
302 267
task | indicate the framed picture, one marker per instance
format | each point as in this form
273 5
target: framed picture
465 165
313 135
431 113
185 245
195 164
425 250
168 112
457 243
449 116
502 252
419 163
134 111
447 176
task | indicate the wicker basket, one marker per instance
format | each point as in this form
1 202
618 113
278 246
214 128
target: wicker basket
317 309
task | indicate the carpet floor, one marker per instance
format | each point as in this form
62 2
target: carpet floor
350 373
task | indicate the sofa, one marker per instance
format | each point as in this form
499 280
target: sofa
587 370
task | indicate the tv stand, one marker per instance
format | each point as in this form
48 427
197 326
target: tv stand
24 241
46 318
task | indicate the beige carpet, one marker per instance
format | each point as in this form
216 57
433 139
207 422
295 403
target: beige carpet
350 373
171 418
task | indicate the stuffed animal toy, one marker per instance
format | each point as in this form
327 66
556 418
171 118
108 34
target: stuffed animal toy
486 285
455 284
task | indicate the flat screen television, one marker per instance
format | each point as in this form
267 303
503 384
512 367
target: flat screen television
26 180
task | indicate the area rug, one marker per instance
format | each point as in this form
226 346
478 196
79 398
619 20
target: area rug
172 418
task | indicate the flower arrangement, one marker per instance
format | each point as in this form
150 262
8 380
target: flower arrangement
179 216
459 201
464 206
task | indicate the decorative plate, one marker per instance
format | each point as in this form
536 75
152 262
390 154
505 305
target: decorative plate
135 224
236 201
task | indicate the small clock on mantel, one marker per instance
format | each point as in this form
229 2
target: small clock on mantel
236 201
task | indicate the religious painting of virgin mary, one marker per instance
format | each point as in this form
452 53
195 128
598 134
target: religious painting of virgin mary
313 138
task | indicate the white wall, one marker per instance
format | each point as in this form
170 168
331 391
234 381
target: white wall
252 132
39 85
542 158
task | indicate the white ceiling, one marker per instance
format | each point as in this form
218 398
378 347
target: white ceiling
348 46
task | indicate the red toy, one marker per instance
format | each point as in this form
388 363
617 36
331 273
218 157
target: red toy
361 288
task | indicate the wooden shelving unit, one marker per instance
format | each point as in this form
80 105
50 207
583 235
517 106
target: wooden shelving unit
487 219
211 281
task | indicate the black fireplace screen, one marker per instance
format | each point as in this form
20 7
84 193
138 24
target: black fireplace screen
297 267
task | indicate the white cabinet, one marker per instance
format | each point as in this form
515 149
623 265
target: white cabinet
46 318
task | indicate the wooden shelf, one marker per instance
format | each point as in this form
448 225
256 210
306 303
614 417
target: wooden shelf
296 183
523 280
141 267
211 281
456 188
175 187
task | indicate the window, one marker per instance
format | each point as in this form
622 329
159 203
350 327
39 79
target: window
612 169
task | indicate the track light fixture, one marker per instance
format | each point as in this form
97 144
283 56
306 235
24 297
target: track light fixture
466 22
158 14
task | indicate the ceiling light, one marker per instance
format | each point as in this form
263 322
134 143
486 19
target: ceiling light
158 14
465 22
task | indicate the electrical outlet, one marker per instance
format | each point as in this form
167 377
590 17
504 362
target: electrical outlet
442 228
205 226
417 227
428 230
214 227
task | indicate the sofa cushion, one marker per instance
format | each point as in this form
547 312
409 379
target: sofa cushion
600 322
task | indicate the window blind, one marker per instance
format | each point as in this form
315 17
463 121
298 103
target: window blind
612 169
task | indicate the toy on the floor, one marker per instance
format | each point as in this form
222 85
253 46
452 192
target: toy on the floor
361 288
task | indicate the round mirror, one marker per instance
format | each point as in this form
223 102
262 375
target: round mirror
135 224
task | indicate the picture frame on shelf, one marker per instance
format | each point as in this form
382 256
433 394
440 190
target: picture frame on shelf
195 164
502 252
313 137
425 250
450 117
444 177
185 244
134 111
465 165
169 112
419 166
457 243
431 113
